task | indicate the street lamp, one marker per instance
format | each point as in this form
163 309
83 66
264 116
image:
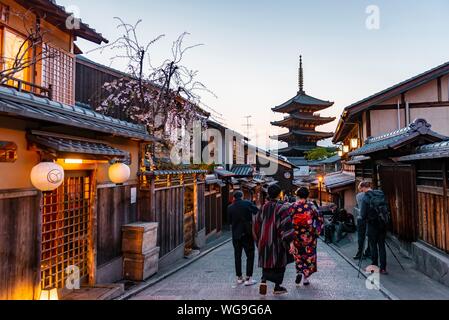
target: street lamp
320 181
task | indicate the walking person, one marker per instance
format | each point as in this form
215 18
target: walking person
240 216
361 224
274 233
307 223
374 212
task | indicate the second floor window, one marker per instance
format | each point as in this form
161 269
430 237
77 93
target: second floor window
15 58
58 73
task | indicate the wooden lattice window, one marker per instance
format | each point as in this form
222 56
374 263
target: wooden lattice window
8 151
65 230
58 73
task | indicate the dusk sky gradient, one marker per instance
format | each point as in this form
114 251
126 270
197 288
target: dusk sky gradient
250 56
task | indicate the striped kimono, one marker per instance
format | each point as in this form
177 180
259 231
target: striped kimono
273 231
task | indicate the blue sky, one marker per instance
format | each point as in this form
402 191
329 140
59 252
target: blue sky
250 56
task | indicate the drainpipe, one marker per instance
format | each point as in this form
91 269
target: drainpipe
399 115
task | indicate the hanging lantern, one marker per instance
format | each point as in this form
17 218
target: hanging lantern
47 176
345 149
119 173
49 294
340 153
354 143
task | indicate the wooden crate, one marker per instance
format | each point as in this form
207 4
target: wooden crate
138 267
139 237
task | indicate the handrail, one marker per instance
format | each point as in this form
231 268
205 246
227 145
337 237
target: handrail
21 83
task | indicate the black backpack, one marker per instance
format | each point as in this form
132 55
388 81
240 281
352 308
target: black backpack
378 209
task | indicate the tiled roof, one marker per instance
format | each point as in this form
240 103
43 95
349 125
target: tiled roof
302 133
242 170
303 99
393 140
338 180
357 160
431 151
344 125
27 105
224 173
331 160
72 145
173 172
301 117
54 13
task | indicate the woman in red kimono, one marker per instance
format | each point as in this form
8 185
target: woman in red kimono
307 223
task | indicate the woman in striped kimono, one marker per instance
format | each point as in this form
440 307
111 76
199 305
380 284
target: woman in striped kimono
274 234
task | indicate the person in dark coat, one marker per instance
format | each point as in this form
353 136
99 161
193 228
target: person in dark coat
376 231
240 216
274 234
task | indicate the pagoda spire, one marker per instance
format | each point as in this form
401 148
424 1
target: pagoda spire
301 76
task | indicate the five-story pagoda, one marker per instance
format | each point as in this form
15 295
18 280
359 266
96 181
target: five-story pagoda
302 121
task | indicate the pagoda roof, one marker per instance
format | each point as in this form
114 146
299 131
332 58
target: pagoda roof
305 133
302 99
295 150
304 118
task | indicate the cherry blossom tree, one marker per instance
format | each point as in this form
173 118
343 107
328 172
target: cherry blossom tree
165 97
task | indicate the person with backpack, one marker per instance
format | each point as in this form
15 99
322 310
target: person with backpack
375 213
240 216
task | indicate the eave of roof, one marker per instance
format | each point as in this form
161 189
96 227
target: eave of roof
57 15
388 93
63 145
302 99
29 106
304 133
438 150
396 139
303 118
339 180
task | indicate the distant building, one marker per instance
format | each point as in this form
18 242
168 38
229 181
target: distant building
301 122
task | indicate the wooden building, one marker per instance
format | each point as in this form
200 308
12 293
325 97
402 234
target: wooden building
301 122
409 165
424 96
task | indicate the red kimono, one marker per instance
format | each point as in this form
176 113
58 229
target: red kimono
307 223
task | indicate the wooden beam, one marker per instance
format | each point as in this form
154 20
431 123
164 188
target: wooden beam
368 123
440 93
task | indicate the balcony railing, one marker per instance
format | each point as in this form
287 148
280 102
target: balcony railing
25 86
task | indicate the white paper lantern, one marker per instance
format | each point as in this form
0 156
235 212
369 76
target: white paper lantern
119 173
47 176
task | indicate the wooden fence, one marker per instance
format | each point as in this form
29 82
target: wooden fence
433 217
114 209
214 212
178 206
20 241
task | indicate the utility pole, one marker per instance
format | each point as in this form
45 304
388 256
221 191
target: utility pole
248 126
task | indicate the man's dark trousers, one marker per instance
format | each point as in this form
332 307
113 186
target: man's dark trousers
376 238
361 235
245 243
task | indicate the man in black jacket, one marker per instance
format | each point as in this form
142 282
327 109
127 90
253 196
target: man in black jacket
240 216
372 202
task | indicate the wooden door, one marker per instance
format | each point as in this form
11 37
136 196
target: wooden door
399 185
66 230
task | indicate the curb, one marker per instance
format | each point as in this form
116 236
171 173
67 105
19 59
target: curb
387 293
151 282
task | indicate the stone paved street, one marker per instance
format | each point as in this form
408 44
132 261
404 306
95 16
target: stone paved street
212 278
